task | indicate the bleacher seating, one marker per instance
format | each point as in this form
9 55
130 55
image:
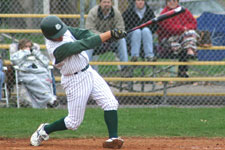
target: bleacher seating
165 80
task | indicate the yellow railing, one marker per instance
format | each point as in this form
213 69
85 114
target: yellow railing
191 63
157 94
39 15
20 31
153 94
159 79
6 46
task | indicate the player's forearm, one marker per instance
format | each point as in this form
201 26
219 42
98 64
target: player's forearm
105 36
115 34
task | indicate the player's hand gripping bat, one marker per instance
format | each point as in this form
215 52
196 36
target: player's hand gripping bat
160 18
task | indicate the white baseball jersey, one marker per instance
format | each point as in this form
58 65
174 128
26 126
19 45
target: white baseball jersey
72 64
80 85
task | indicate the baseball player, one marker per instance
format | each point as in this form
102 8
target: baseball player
66 46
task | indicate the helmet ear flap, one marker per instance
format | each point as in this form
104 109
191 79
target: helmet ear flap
53 27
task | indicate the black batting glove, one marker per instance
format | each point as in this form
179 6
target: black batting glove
118 34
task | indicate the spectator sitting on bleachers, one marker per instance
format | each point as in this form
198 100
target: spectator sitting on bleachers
2 77
135 15
34 73
177 36
102 18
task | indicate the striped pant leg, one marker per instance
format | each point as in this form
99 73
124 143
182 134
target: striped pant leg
102 93
78 88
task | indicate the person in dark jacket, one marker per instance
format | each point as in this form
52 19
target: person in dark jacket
136 15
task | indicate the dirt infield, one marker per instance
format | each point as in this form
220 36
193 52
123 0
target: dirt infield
130 144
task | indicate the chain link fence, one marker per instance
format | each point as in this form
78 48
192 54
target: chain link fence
206 89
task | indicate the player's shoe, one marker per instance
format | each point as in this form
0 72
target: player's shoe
115 143
39 135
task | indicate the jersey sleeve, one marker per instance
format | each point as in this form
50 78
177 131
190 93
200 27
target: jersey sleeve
85 40
79 33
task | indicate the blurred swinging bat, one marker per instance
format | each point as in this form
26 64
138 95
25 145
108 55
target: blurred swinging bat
160 18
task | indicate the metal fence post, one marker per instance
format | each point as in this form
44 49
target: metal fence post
82 9
46 7
92 4
116 3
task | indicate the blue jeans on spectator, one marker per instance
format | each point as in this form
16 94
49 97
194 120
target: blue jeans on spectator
121 51
2 78
141 35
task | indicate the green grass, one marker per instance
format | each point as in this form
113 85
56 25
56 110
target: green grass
145 122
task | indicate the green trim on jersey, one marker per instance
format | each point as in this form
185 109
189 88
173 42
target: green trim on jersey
85 40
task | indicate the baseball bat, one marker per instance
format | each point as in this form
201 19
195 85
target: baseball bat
160 18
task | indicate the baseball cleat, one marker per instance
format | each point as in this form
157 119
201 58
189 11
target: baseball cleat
39 135
115 143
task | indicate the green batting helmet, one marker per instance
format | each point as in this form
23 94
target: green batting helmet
53 27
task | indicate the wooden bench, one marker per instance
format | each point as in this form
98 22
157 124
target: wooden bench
164 80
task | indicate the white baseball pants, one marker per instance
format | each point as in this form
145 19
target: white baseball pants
79 88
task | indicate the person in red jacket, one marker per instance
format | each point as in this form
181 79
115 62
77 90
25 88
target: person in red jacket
177 36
